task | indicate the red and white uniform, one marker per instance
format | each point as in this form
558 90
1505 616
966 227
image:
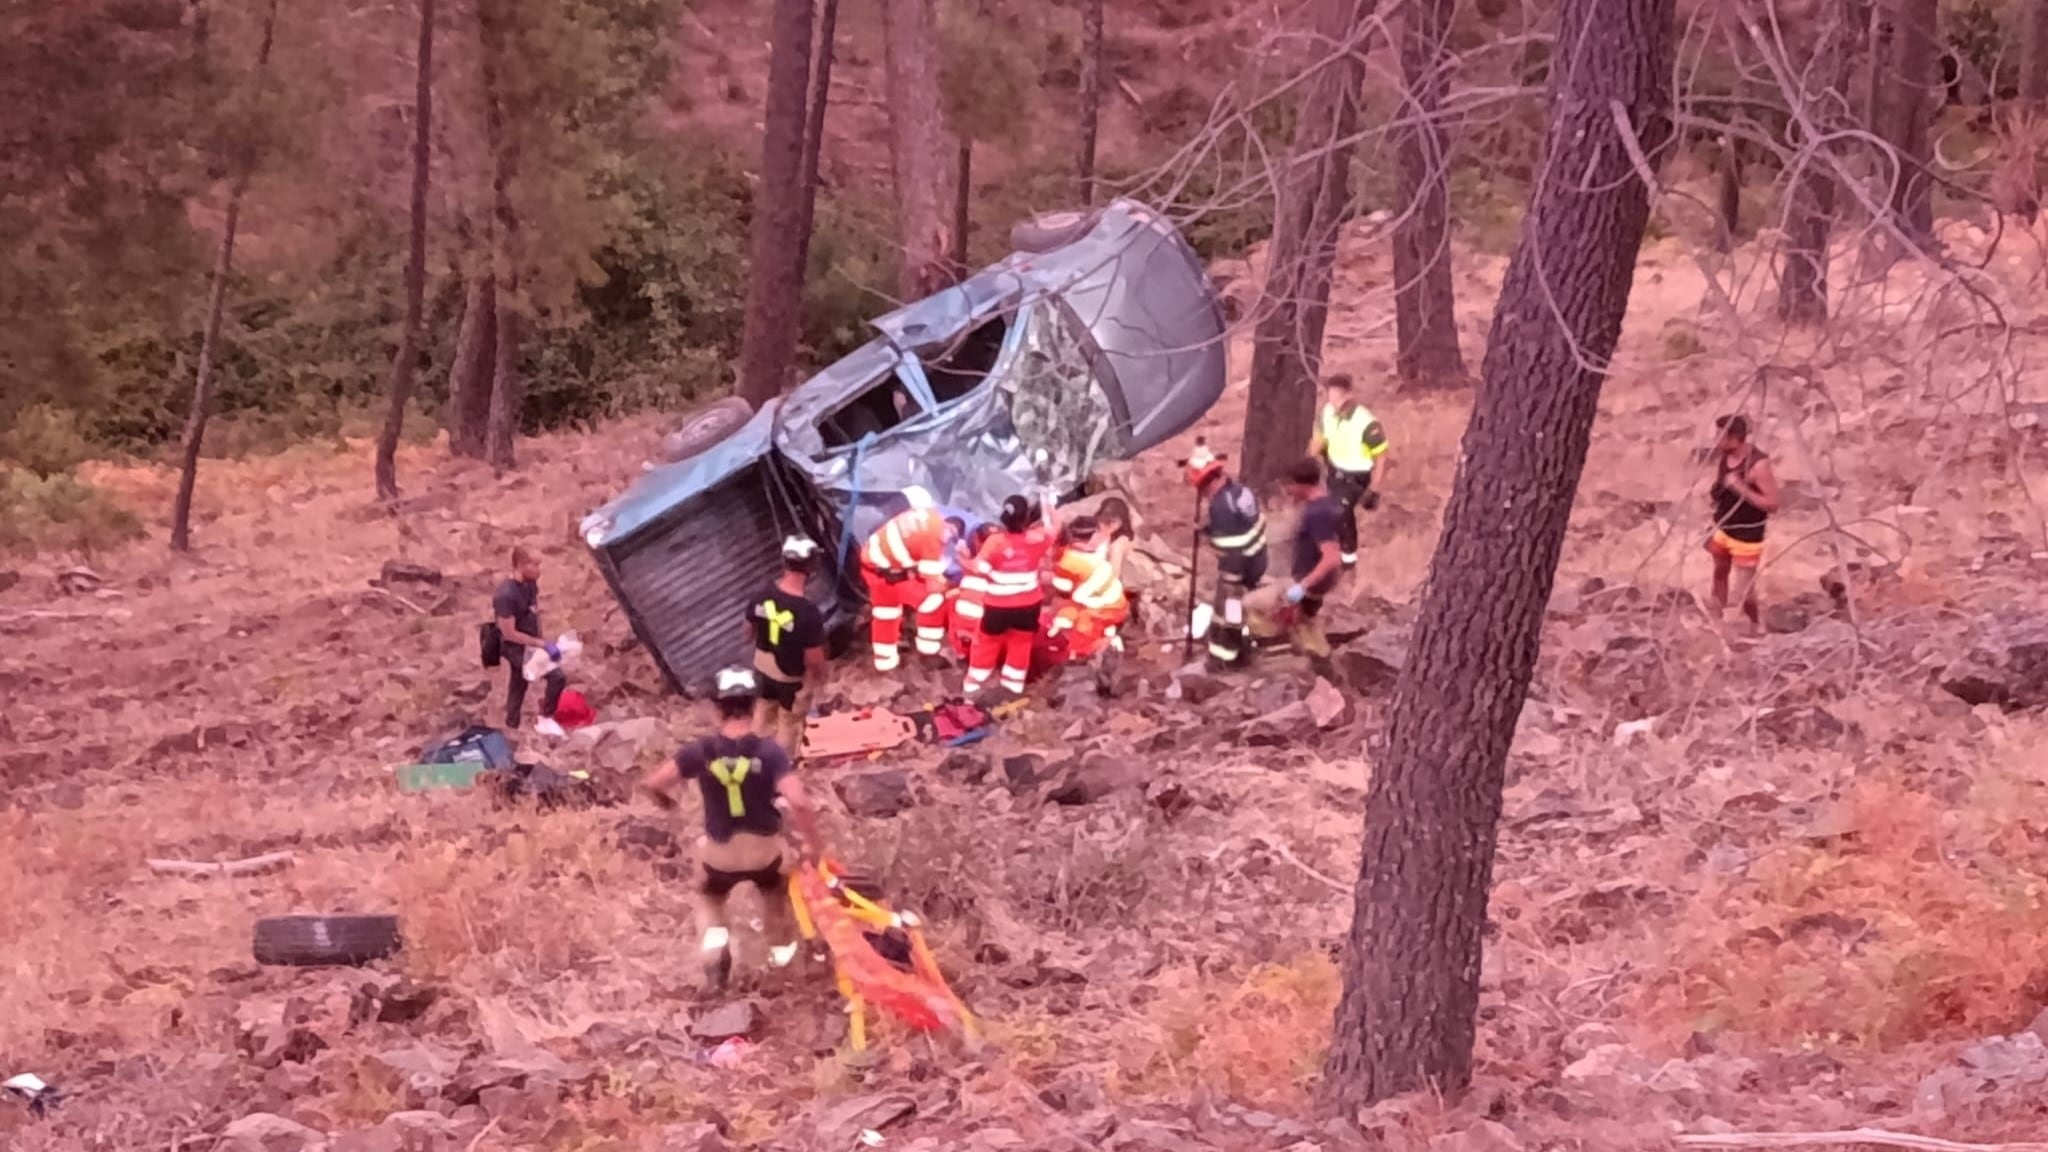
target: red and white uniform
1010 564
963 612
1095 607
898 564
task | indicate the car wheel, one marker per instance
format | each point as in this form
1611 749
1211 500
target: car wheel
309 941
1049 230
705 428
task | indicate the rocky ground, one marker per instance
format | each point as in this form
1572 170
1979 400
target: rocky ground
1783 883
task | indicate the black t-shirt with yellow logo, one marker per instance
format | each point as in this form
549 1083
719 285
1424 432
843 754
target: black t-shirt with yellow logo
786 626
738 780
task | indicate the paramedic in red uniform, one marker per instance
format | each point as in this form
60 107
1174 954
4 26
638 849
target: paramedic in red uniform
1012 564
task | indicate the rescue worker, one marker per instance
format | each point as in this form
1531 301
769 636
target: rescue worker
1349 438
1094 611
1012 562
747 785
964 603
1744 495
904 567
1291 611
788 632
1237 531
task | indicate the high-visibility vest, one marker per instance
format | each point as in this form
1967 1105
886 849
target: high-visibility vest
1237 530
1009 564
1352 440
1086 576
913 541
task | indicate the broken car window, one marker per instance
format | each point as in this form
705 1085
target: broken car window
1057 401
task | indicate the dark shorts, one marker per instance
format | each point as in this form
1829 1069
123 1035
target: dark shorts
768 881
782 692
1002 621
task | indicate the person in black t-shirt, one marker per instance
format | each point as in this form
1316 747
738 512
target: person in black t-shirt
789 647
1292 611
746 783
516 608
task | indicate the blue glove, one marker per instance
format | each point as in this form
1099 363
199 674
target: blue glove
554 653
1296 593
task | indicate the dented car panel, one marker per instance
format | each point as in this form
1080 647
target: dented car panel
1031 373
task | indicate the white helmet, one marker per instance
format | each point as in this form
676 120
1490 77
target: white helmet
919 498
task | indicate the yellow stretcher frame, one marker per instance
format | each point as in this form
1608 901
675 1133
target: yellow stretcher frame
875 915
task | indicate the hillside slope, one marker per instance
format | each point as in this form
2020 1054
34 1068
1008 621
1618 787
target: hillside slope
1803 895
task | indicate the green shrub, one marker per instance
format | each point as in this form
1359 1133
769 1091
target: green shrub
60 513
45 440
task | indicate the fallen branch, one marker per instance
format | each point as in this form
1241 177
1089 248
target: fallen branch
1130 93
389 594
254 865
1287 854
1876 1136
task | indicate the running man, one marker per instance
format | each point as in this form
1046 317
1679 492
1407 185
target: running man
1745 494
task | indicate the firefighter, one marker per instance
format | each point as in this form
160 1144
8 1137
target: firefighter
1095 609
1348 439
746 783
904 566
1012 563
1237 531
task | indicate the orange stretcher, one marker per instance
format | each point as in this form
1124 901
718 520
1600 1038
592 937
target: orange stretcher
919 996
855 733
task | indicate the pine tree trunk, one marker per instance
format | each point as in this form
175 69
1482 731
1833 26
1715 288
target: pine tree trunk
1425 303
918 145
216 306
508 392
1091 95
1916 67
2034 55
775 281
1411 968
963 207
1728 192
469 379
814 129
1809 223
402 366
1287 343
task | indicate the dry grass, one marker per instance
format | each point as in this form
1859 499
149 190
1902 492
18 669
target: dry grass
1887 898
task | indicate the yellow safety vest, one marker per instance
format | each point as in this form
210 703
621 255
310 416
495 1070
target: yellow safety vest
1352 442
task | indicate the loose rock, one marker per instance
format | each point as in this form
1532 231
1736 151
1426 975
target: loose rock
2006 666
737 1019
1095 777
405 572
876 794
266 1132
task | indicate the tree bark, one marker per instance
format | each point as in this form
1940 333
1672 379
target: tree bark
1425 303
1411 969
1091 95
469 380
919 150
2034 56
508 394
402 361
775 281
1287 343
814 129
963 207
1809 223
216 306
1728 192
1916 69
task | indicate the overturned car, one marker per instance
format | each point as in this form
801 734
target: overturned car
1099 337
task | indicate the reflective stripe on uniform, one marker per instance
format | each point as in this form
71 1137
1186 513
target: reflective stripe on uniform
1245 541
887 657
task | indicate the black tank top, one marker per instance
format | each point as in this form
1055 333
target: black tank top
1740 519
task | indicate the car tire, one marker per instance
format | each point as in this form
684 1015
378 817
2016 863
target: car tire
705 428
1049 230
312 941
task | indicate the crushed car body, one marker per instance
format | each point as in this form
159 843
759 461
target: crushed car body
1101 337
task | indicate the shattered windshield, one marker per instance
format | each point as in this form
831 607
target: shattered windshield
1056 395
